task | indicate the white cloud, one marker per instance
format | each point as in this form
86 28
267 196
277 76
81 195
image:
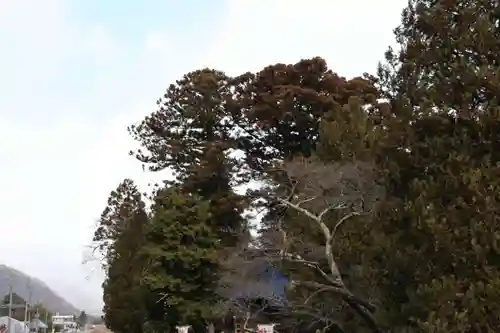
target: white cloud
42 226
156 41
34 31
100 45
55 182
351 35
48 196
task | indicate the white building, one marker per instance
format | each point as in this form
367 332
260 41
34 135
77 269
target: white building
15 325
66 321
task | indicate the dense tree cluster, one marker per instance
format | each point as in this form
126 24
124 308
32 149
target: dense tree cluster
378 197
82 319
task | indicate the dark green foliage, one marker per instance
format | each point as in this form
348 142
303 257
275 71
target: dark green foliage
16 299
440 252
124 204
450 55
190 135
180 249
82 319
119 236
189 117
210 180
340 173
439 259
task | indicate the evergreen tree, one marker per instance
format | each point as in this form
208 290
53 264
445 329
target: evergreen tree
191 115
284 105
180 249
210 180
438 260
190 136
448 57
119 235
268 116
82 319
287 101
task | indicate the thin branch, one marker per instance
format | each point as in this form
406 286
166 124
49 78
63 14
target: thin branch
299 209
362 308
314 265
319 291
346 294
326 233
344 219
163 296
306 200
292 190
247 318
326 210
365 315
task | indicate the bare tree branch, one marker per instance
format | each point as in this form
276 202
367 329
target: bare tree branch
328 235
299 209
342 220
339 290
330 196
312 265
335 188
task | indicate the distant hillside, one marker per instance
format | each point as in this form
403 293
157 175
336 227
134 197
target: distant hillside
39 290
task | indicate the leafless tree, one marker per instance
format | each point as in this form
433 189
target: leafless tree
329 195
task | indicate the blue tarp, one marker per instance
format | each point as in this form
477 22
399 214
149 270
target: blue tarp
269 284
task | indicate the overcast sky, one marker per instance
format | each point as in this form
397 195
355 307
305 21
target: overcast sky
75 73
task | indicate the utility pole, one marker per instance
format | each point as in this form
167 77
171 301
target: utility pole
27 304
9 323
37 320
46 321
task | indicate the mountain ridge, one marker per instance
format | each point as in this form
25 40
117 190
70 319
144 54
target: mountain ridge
40 291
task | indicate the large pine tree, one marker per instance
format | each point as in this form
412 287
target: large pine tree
189 136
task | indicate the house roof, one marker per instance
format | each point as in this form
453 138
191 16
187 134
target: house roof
37 323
